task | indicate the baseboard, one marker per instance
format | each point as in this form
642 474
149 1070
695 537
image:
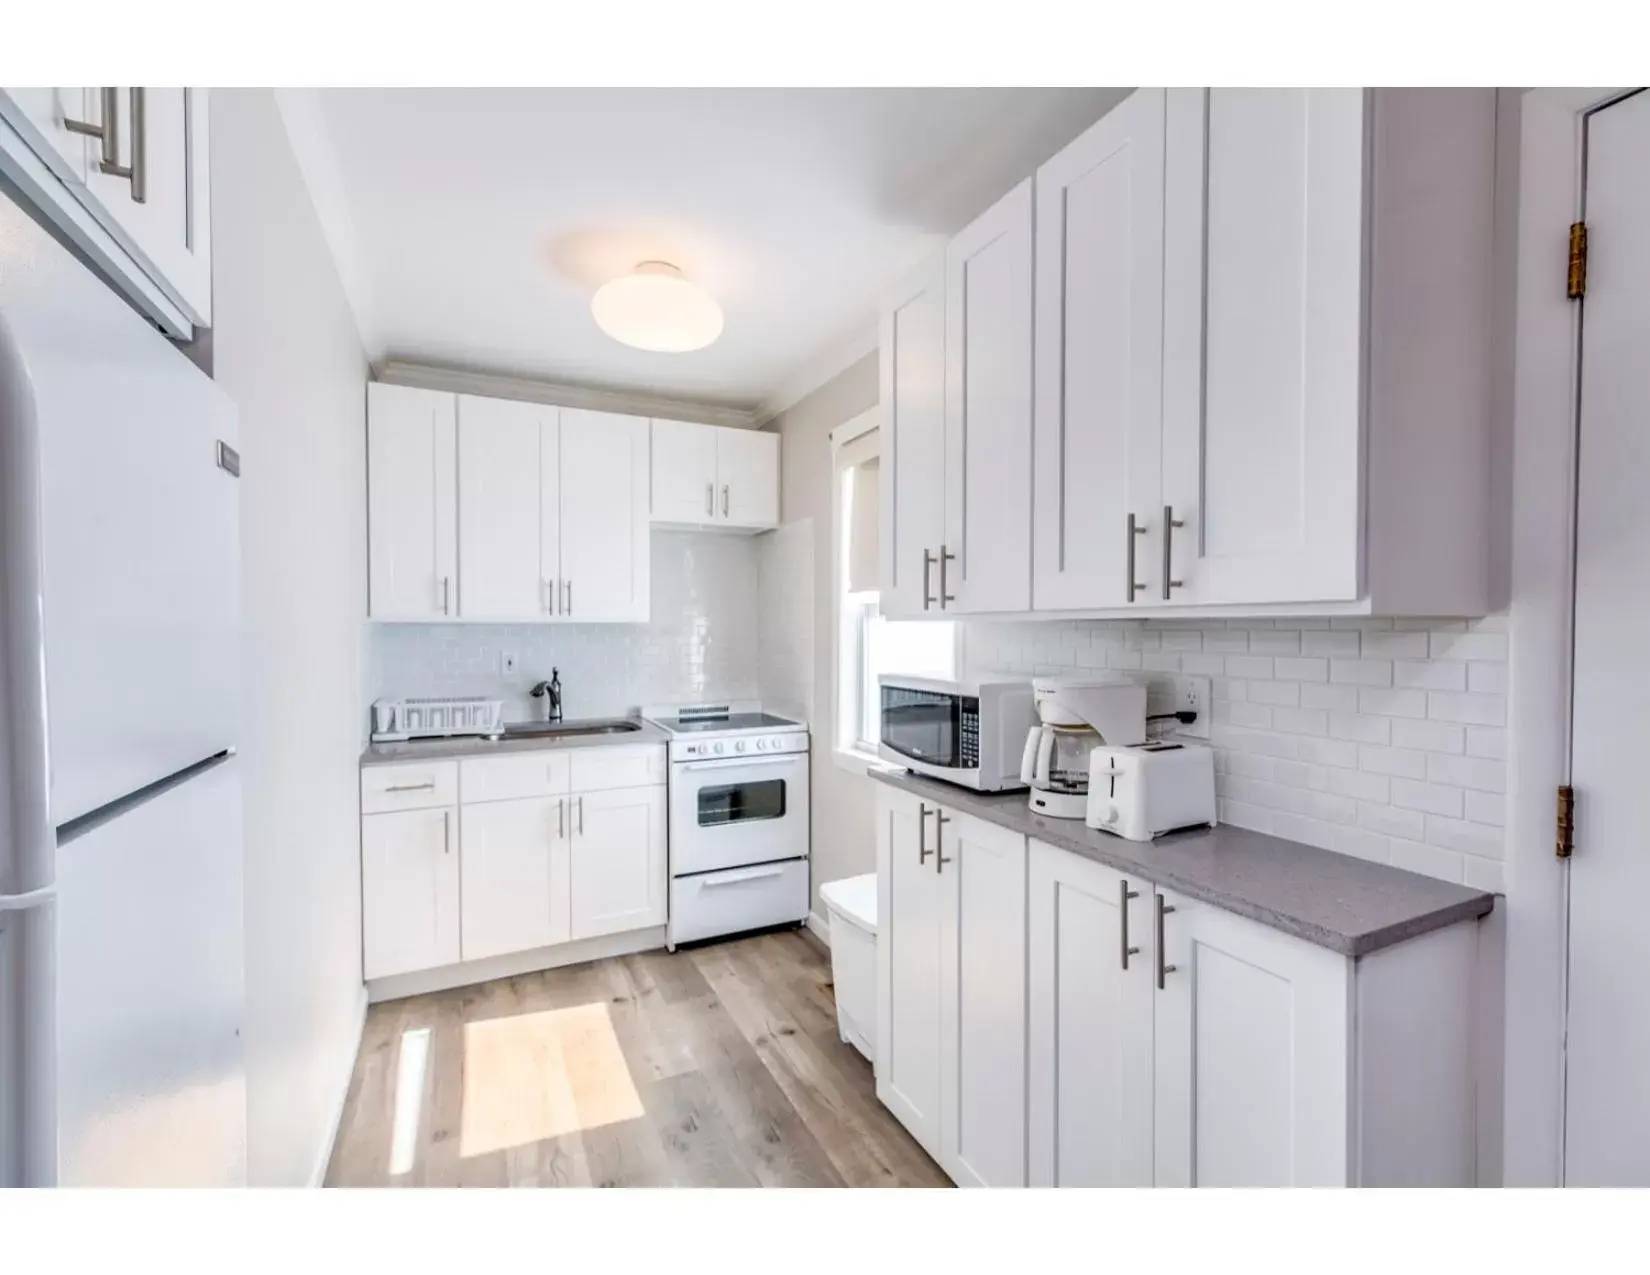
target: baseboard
318 1173
821 928
542 958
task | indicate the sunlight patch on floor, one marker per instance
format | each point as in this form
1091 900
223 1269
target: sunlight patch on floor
411 1065
529 1077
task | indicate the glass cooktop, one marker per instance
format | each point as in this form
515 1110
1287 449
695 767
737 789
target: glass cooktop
731 721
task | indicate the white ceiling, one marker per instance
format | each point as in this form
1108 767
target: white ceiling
481 220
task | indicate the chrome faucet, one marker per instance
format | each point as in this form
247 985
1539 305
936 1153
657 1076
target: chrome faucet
550 693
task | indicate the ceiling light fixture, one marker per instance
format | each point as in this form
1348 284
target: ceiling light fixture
655 308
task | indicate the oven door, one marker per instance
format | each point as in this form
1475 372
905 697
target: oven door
733 812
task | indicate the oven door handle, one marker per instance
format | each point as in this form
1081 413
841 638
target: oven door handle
742 874
746 763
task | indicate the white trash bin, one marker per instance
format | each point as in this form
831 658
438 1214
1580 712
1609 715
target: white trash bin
852 905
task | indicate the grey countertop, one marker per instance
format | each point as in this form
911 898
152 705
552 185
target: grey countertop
476 746
1348 905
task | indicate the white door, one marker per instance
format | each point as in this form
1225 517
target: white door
912 360
747 474
1099 347
409 891
982 873
1262 322
500 470
1250 1053
412 503
618 860
513 877
988 270
908 965
604 518
1607 1102
158 202
1090 1037
684 472
42 115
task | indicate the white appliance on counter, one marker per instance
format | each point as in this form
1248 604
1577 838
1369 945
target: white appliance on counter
967 733
1077 716
122 998
738 819
1144 791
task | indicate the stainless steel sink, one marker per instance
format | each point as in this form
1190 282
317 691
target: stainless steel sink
557 730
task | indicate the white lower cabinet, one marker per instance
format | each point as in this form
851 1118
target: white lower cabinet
951 972
514 872
409 891
619 874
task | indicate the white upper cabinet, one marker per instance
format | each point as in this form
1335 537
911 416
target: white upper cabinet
988 280
501 508
124 174
604 517
712 476
912 468
412 504
1099 358
747 475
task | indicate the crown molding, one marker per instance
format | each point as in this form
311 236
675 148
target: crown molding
827 363
493 385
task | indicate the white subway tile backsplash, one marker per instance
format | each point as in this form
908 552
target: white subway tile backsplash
1372 737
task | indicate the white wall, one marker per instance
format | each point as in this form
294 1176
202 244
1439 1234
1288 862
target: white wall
699 646
844 823
284 345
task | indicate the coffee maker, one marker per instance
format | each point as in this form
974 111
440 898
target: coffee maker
1077 715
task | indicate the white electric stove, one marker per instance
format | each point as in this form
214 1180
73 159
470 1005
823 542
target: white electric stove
738 819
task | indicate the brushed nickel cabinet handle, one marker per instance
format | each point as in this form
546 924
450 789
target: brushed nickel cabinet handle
137 172
1135 529
107 133
1170 522
581 815
945 557
567 597
1124 894
1163 971
927 573
446 832
561 818
940 821
710 500
446 593
424 787
922 832
724 500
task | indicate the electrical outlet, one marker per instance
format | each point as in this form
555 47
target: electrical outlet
1194 694
507 663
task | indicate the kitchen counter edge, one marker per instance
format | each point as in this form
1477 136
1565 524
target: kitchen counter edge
477 746
1351 906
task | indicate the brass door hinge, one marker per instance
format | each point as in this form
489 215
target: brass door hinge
1578 261
1566 843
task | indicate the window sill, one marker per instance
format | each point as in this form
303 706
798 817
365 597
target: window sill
858 763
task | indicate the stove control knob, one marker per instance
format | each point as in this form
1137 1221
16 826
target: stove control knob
739 746
761 744
718 748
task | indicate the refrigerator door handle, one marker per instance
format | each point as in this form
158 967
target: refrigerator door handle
27 900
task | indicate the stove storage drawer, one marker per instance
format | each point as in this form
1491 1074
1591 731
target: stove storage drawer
738 899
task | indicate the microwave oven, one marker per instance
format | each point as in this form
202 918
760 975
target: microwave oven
968 733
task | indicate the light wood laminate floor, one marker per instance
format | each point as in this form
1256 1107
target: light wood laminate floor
713 1066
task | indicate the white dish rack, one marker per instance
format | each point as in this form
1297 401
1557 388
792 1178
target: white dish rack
435 717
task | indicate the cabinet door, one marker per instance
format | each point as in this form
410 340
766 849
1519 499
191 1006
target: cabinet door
982 873
412 503
1250 1053
908 966
747 474
619 875
604 519
409 891
161 210
1263 342
912 358
42 116
988 271
514 860
500 472
1090 1028
1099 411
684 472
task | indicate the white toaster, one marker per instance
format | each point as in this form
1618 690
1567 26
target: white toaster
1149 789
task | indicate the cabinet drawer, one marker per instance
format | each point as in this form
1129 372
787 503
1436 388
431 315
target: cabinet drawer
520 775
632 766
412 785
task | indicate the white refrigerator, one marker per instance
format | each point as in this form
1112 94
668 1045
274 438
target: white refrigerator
122 998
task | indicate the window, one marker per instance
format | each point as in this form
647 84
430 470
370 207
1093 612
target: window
867 644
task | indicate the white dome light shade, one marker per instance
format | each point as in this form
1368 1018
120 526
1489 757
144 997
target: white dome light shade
655 308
